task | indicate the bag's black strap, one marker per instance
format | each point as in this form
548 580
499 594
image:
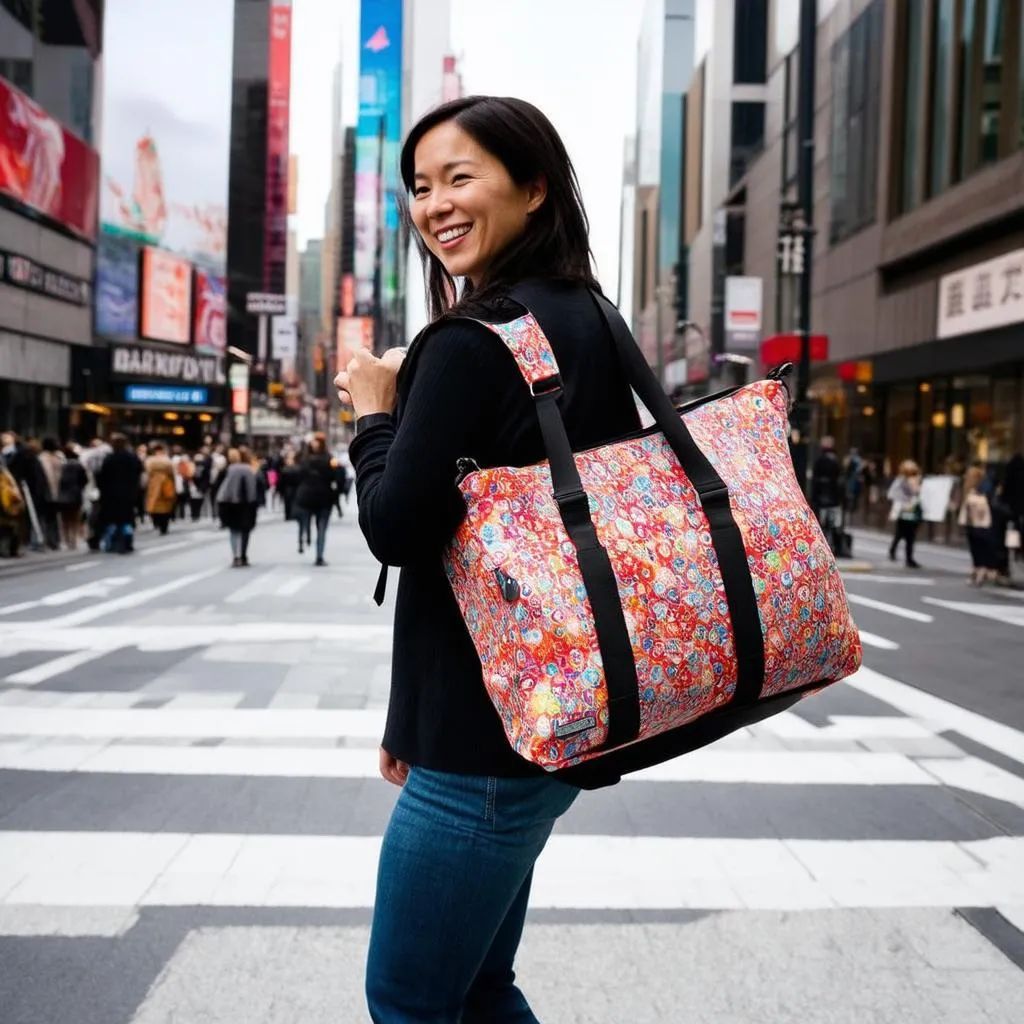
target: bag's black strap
726 538
599 580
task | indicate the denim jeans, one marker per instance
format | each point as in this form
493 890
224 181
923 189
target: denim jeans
452 889
323 520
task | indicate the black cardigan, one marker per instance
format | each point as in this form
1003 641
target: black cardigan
461 395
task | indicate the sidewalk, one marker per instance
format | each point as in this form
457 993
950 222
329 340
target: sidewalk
146 536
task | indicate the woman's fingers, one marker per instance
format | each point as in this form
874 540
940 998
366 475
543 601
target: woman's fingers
393 770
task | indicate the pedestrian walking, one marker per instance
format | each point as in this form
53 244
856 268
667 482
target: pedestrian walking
161 490
236 503
496 204
12 513
51 458
71 497
22 460
976 518
315 495
288 478
905 510
118 481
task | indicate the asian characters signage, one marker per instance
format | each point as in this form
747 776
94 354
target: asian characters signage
982 297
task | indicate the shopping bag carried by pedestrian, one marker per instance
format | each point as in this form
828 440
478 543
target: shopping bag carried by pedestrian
637 600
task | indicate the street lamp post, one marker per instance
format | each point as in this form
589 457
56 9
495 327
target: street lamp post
805 199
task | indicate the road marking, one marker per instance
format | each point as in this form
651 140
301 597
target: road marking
291 587
193 723
97 588
891 609
773 767
56 667
872 640
87 564
128 869
167 547
1009 614
41 635
127 601
940 715
910 581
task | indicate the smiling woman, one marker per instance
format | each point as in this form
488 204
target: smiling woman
478 169
500 222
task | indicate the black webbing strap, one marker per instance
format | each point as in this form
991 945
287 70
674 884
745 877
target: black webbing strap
595 567
714 498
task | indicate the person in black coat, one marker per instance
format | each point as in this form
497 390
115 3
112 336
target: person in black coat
315 495
118 481
288 478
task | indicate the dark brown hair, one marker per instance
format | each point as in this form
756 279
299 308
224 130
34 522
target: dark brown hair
555 244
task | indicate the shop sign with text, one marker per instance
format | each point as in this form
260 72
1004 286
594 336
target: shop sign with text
152 364
982 297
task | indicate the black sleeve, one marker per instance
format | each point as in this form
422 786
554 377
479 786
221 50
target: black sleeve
409 505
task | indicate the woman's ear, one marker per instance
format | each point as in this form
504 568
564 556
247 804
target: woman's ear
537 193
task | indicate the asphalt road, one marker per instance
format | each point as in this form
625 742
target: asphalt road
190 812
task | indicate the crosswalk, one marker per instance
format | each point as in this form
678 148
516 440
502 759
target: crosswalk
217 755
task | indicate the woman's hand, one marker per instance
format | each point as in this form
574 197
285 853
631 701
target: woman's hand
393 770
369 383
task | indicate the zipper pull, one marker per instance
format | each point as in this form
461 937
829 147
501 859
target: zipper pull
507 585
463 468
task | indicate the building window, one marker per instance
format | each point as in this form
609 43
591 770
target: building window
941 114
750 43
747 138
856 89
979 85
18 73
913 91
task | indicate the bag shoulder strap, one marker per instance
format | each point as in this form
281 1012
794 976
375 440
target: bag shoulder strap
525 339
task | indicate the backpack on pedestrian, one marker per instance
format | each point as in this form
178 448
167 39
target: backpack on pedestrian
12 504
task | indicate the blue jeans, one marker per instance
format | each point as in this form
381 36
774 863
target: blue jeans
323 519
452 889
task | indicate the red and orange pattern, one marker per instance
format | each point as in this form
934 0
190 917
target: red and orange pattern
539 652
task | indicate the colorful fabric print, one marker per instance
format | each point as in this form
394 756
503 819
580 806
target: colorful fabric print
527 342
516 578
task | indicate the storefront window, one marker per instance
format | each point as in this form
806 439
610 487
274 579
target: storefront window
901 426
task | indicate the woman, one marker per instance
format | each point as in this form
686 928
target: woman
161 489
71 497
905 496
236 503
495 203
51 458
315 495
118 482
976 519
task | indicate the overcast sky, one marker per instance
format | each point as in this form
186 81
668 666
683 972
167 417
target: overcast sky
575 59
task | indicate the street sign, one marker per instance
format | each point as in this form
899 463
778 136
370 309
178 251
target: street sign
791 253
265 303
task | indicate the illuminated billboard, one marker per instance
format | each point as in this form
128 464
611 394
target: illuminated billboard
378 144
166 297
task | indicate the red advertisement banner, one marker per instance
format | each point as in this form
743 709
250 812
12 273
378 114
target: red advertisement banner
44 166
209 329
275 243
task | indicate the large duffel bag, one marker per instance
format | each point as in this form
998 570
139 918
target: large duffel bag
637 600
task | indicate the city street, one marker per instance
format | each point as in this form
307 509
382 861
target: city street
190 810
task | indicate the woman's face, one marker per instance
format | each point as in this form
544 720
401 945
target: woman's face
465 204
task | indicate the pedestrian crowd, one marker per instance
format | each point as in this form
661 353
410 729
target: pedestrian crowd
68 496
985 502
